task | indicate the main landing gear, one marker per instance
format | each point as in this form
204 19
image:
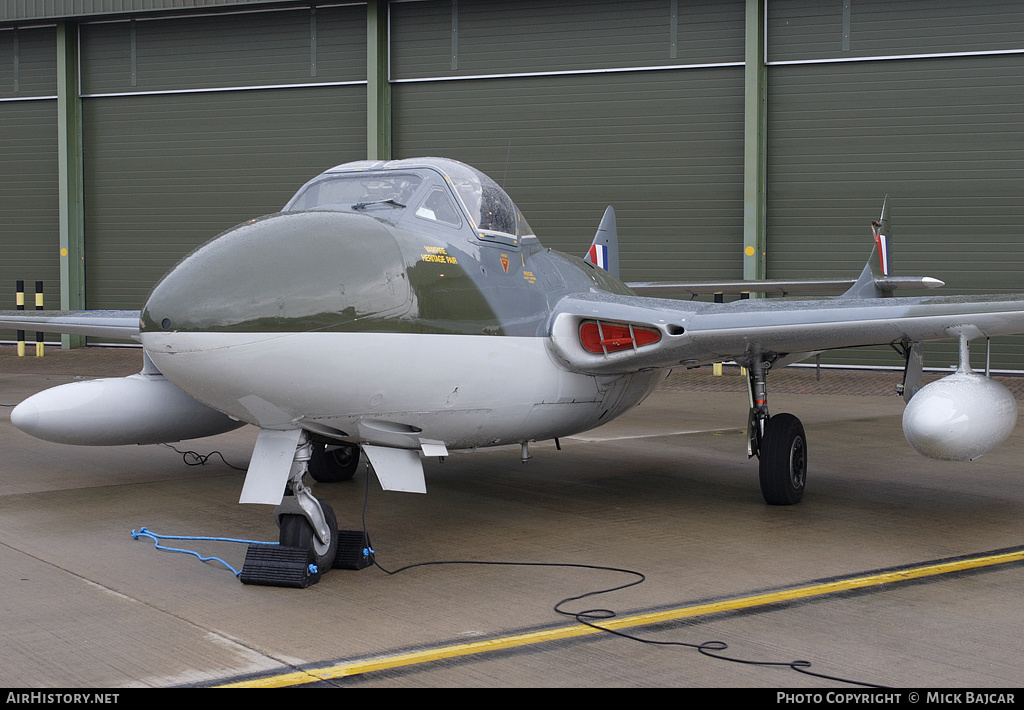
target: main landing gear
778 441
333 464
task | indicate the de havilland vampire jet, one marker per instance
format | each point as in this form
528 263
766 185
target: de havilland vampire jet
404 309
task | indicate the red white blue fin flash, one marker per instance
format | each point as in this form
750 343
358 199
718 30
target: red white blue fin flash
882 242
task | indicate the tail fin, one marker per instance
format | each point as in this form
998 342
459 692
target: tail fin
880 229
604 251
875 281
868 285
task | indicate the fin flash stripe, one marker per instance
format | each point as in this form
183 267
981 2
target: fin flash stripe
883 253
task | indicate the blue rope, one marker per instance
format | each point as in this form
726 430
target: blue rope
157 538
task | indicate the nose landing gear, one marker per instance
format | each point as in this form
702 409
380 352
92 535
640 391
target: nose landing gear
309 541
298 531
304 520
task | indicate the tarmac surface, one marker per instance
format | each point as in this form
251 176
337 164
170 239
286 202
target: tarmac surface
666 491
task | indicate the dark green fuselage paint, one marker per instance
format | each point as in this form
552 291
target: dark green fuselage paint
342 271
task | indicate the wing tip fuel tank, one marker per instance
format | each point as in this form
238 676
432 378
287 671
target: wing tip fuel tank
959 417
139 409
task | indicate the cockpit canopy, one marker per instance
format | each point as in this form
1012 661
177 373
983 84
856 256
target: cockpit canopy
394 186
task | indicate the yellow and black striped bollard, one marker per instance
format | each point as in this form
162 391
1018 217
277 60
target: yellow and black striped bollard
39 307
19 300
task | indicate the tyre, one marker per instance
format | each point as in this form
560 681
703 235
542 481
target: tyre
297 532
783 464
333 465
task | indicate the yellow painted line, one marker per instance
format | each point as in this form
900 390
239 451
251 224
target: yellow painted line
468 649
626 437
409 659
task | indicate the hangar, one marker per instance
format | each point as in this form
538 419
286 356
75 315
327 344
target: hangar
736 138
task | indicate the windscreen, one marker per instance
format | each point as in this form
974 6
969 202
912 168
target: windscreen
356 191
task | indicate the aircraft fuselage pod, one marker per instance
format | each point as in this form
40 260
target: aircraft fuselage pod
390 305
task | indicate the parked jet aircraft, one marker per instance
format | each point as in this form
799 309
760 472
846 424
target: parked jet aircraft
404 309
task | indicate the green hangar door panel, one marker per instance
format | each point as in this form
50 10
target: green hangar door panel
582 105
193 125
29 203
923 102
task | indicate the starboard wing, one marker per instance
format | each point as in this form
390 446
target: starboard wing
611 334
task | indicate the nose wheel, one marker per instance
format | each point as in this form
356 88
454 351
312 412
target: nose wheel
297 531
304 520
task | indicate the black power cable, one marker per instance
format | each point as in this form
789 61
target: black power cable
589 617
194 458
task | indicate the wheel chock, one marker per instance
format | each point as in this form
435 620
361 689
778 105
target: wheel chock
353 550
279 566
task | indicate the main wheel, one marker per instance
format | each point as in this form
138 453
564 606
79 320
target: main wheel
783 465
333 465
297 532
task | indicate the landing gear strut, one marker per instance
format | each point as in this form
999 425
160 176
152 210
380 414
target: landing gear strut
779 442
304 520
310 542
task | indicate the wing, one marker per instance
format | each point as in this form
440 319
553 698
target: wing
610 334
108 324
774 286
606 333
105 324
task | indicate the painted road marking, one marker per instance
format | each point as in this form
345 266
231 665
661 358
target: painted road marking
818 589
683 432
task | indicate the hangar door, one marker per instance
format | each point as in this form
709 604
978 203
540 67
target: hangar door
194 124
923 102
29 208
573 106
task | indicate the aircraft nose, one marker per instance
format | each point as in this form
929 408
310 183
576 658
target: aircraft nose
288 272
